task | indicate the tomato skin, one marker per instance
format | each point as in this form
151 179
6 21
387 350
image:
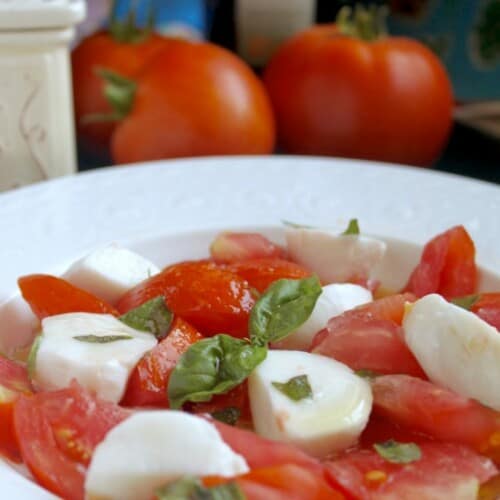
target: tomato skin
487 307
195 99
424 407
369 337
48 296
102 51
357 99
212 299
57 433
285 482
260 273
147 385
447 266
14 381
444 471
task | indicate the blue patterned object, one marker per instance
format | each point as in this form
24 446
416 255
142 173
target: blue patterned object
466 35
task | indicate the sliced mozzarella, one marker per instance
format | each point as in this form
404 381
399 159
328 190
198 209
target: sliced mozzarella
102 368
334 300
456 348
151 449
333 257
109 272
328 421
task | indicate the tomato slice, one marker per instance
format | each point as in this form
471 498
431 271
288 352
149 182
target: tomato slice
487 307
284 482
57 433
48 296
261 453
14 381
445 470
363 340
260 273
148 382
438 412
212 299
447 266
230 247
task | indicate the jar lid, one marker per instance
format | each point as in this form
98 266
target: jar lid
33 14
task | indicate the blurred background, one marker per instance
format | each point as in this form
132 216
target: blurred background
353 89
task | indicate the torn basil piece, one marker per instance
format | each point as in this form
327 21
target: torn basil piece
191 488
398 453
31 363
212 366
352 228
364 373
153 316
101 339
466 302
284 306
229 415
297 388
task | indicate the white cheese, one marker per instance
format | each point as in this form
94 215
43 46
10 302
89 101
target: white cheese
102 368
333 257
334 300
456 348
109 272
328 421
151 449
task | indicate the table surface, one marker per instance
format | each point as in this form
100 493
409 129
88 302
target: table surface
469 153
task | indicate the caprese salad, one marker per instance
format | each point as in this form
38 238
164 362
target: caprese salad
263 372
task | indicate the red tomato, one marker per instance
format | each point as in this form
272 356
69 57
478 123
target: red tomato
48 296
260 273
284 482
212 299
195 99
58 432
104 51
487 307
361 340
14 381
261 453
148 382
230 247
447 266
447 471
343 96
440 413
390 308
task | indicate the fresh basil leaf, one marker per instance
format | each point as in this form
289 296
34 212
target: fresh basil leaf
212 366
284 306
101 339
190 488
366 373
153 316
467 301
398 453
297 388
294 225
229 415
352 228
31 363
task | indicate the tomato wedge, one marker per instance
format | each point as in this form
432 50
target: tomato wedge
148 382
230 247
383 348
14 381
260 273
212 299
487 307
447 266
57 433
48 296
437 412
445 470
284 482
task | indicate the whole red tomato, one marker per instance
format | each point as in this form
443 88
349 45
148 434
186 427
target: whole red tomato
121 53
195 99
360 95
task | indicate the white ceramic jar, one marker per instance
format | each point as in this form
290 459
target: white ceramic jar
37 139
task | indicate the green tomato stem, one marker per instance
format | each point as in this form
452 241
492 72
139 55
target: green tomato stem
366 23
